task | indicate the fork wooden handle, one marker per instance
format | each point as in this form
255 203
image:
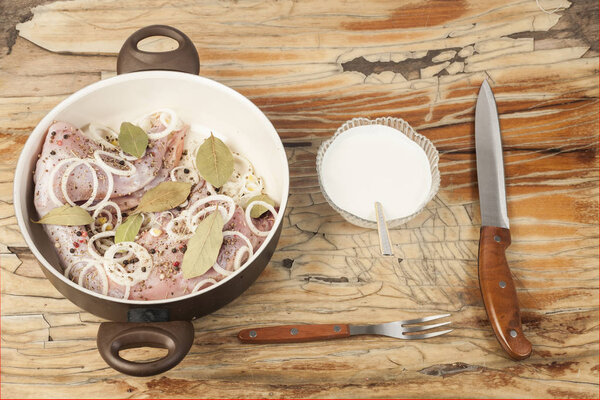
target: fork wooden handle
294 333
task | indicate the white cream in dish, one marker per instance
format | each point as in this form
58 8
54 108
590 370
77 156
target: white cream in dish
372 163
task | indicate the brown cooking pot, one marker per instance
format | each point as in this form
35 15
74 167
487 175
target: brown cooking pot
147 81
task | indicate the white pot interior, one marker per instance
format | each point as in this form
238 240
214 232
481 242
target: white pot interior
197 100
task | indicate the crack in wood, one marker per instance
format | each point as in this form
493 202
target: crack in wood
579 22
450 369
409 68
326 279
571 26
290 145
13 12
18 250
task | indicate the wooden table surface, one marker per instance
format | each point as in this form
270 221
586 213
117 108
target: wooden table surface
311 65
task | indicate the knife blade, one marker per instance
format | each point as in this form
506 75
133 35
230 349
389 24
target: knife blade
495 279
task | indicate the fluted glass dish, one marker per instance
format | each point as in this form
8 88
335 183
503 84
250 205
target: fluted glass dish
403 128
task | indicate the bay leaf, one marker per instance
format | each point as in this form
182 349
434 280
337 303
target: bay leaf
128 230
165 196
214 161
133 139
258 209
203 247
66 215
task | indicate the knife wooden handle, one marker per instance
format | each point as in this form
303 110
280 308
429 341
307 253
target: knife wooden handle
294 333
499 293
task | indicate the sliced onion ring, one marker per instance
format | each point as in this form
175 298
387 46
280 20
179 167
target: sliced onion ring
119 274
192 218
64 181
202 282
103 210
92 133
249 218
221 270
101 272
169 126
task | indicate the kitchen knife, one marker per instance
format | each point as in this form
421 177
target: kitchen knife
495 280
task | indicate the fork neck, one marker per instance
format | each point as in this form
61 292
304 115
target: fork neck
361 330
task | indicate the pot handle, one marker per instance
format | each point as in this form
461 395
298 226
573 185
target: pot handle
182 59
175 336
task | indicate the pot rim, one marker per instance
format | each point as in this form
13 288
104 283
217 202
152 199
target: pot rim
30 147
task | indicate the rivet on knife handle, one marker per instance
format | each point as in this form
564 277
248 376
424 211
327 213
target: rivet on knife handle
499 293
293 333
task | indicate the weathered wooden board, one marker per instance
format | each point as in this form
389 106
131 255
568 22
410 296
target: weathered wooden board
310 66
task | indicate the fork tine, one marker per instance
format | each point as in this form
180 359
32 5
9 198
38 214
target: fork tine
423 327
425 335
424 319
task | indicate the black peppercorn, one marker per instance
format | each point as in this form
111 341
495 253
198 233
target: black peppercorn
71 251
65 136
186 171
78 233
121 162
53 153
152 251
52 133
143 269
173 250
125 262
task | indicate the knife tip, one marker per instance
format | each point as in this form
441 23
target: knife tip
485 85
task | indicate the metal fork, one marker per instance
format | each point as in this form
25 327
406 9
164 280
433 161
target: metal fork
309 333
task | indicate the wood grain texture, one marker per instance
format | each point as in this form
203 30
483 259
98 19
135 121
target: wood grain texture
311 65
